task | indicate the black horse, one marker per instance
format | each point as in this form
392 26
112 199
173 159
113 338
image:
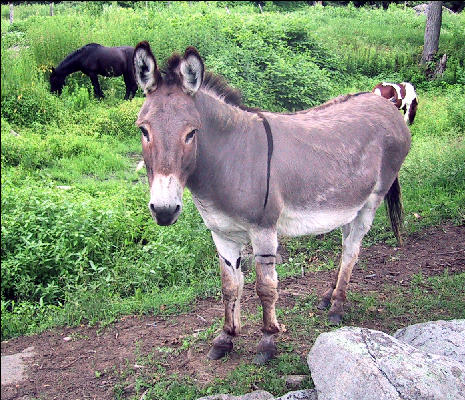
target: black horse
94 59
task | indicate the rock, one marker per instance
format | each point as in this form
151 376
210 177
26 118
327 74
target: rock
13 367
140 165
363 364
423 9
294 381
307 394
444 338
257 395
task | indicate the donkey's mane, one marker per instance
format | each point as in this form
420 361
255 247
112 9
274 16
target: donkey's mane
219 86
339 99
211 82
70 57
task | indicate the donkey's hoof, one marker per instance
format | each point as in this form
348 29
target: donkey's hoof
324 304
263 357
335 318
218 351
266 349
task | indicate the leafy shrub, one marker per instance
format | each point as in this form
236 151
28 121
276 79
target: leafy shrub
96 241
118 121
33 105
455 107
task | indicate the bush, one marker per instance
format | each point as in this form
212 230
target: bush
33 105
73 249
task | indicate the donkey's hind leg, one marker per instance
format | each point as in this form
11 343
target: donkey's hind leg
265 244
350 251
325 301
232 282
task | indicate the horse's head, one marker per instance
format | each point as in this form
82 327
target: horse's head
170 122
57 82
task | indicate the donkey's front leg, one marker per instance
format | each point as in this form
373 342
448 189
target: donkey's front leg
232 282
265 245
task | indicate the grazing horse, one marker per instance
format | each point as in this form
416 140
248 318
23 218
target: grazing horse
94 59
403 95
256 174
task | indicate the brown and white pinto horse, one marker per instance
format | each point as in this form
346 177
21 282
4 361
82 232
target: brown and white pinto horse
403 95
256 174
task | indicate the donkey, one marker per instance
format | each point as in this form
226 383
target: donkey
94 59
256 174
403 95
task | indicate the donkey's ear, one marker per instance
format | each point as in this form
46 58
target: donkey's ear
191 70
145 67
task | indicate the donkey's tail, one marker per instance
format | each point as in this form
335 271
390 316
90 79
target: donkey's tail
393 202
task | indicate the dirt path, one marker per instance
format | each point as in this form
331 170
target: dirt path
87 362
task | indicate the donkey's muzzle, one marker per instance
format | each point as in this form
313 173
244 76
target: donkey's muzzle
165 215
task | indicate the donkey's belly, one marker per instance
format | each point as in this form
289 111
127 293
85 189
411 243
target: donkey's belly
293 222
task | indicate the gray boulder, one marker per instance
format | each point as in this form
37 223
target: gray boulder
307 394
363 364
444 338
257 395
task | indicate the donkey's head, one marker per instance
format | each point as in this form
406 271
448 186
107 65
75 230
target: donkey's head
169 122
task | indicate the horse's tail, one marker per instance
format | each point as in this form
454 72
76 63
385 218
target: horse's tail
393 202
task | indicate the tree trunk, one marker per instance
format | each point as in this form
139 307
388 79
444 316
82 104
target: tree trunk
440 67
51 9
432 31
11 12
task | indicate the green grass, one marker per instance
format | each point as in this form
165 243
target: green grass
93 147
390 307
91 253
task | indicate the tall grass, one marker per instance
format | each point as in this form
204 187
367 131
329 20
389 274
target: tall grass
77 240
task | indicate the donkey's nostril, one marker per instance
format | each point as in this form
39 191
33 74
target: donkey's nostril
165 215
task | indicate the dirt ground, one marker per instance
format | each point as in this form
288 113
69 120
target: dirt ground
86 362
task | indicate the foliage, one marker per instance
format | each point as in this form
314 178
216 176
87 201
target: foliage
78 243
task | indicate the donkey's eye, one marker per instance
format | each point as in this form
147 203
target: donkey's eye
191 135
145 133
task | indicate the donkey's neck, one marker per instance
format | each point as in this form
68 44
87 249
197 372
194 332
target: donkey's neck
221 118
231 147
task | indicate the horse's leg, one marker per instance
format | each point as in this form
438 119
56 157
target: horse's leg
265 244
232 282
129 86
97 90
350 250
326 298
407 113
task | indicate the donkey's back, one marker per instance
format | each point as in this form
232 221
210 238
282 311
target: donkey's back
330 159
